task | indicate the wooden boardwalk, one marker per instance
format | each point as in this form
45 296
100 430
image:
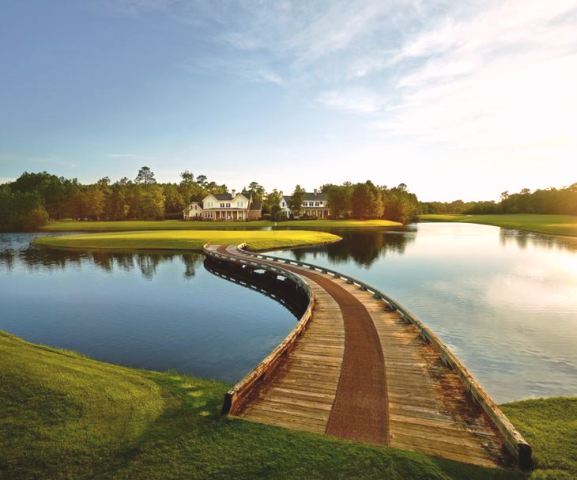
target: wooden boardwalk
357 369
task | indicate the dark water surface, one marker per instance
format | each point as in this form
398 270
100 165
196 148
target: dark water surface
157 311
504 301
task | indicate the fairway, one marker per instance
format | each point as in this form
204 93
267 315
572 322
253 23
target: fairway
548 224
188 240
133 225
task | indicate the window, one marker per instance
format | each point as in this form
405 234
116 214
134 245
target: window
228 205
317 204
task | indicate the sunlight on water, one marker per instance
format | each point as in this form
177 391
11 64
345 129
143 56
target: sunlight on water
504 301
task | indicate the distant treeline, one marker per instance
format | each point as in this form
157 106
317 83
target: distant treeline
561 201
36 198
367 200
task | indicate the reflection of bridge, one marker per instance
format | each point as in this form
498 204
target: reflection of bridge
359 366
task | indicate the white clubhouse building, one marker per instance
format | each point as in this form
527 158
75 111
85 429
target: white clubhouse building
224 206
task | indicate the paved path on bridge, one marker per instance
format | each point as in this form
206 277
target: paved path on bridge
359 371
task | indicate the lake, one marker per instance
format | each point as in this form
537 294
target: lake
504 301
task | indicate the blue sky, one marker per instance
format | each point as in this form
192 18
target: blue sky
456 99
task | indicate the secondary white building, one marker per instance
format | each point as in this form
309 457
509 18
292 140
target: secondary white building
314 204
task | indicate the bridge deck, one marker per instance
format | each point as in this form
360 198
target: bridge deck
360 371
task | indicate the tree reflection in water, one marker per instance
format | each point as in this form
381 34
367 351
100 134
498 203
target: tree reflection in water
34 258
364 248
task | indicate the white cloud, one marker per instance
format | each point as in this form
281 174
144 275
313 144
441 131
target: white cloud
502 78
355 100
268 76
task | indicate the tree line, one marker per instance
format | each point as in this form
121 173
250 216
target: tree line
36 198
369 201
561 201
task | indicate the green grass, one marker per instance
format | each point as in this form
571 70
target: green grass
550 426
548 224
65 416
188 239
132 225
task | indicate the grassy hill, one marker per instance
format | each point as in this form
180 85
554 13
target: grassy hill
65 416
548 224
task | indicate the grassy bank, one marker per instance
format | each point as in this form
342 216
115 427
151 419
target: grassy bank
188 240
548 224
133 225
63 415
550 426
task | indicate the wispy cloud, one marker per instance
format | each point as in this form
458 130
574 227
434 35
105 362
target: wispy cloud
502 77
355 100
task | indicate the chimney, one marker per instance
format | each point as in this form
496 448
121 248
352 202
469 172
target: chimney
233 192
316 191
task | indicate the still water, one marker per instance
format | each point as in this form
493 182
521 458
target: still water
159 311
504 301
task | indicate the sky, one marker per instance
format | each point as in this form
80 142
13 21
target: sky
459 100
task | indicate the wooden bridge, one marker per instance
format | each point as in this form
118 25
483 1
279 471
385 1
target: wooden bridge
359 366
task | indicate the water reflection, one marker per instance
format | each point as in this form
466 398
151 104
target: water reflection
505 301
135 309
34 259
528 239
363 248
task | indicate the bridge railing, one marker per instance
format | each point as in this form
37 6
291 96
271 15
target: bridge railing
239 394
514 441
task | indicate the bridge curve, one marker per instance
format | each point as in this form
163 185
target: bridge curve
360 366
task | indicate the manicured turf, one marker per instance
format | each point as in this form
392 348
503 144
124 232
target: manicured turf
189 239
549 224
132 225
550 426
64 416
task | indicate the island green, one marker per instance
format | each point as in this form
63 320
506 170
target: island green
188 239
548 224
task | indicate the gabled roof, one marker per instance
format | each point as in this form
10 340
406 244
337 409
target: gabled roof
222 196
315 196
309 196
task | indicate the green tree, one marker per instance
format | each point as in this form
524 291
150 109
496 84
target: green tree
296 200
174 202
271 200
257 191
145 176
339 198
366 201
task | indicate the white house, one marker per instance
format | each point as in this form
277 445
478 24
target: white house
224 206
314 204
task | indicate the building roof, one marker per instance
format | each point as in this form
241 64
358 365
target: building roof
309 196
222 196
228 196
315 196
